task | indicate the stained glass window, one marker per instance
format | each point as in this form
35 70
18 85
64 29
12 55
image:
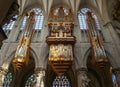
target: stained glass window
61 81
7 80
10 24
23 23
30 81
38 19
114 80
82 18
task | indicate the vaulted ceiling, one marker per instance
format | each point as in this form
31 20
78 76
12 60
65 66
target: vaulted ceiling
47 4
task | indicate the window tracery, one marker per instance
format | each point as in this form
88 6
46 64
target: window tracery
30 81
61 81
82 19
38 19
9 26
7 80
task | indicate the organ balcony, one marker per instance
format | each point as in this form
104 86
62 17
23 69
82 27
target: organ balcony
60 33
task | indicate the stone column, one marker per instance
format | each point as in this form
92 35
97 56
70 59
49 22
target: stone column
117 74
3 72
40 74
83 80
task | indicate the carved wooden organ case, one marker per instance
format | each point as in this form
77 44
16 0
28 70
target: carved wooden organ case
23 49
98 53
60 39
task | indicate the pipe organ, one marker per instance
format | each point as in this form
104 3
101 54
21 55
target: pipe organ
98 53
22 53
60 39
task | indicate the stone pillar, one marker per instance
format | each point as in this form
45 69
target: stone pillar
3 72
117 74
83 80
40 74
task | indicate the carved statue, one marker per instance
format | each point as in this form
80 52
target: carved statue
3 71
40 79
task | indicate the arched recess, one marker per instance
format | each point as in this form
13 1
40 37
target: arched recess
12 54
51 75
99 77
109 56
31 6
19 78
26 73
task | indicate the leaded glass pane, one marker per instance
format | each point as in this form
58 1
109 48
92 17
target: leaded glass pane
30 81
61 81
7 80
82 19
10 24
38 19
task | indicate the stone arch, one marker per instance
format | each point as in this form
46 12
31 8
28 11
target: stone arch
34 55
86 57
64 6
46 61
94 10
76 61
28 8
11 56
110 58
51 75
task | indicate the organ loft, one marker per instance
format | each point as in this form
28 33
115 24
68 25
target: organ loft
59 43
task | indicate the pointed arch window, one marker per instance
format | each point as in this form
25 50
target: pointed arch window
7 80
82 19
9 26
61 81
38 19
30 81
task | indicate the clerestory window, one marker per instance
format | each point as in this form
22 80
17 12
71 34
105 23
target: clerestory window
9 26
82 19
38 19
